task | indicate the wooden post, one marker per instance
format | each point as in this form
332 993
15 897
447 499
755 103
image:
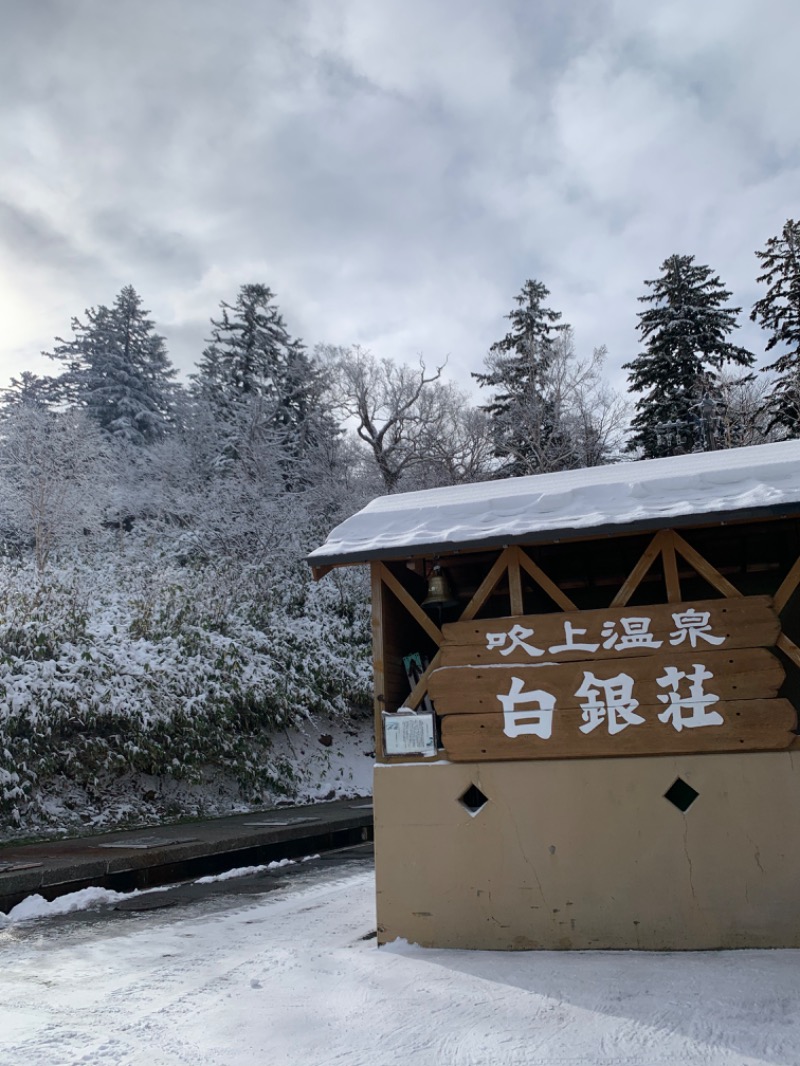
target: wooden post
378 656
515 582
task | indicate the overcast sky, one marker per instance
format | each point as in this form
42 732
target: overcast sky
394 170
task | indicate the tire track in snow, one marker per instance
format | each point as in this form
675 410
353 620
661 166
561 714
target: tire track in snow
287 980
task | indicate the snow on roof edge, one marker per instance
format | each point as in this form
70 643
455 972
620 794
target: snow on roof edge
646 494
318 560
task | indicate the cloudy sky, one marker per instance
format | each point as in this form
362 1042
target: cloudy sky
393 169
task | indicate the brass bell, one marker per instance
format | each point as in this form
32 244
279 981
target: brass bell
439 592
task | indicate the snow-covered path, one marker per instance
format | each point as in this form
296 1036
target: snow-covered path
287 979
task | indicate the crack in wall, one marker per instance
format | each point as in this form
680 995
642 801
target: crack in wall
756 853
528 862
688 857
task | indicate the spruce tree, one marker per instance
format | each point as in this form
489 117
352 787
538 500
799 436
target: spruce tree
118 370
27 391
252 362
779 313
517 369
248 349
685 331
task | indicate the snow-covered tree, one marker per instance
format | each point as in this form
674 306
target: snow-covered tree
551 410
741 411
251 355
395 408
28 390
590 415
456 447
573 419
118 370
779 313
685 330
54 478
516 369
249 351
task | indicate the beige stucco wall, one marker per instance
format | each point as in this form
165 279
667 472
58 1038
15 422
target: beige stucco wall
589 854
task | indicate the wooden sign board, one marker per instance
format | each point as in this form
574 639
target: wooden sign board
615 632
747 725
750 673
666 678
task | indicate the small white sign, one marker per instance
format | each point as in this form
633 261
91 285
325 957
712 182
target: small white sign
409 734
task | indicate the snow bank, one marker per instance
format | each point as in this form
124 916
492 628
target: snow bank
250 871
85 899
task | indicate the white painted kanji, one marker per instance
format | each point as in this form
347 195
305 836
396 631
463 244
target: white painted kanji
516 637
693 625
695 704
536 719
608 700
635 634
570 644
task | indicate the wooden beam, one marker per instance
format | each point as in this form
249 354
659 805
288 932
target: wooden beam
410 604
704 567
544 582
633 580
318 572
486 586
670 564
787 588
515 582
789 648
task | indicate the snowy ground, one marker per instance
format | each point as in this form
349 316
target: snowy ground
289 978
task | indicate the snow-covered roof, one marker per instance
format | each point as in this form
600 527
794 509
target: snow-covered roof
737 484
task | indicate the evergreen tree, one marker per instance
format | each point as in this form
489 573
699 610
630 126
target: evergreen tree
252 357
29 391
779 313
685 330
118 370
517 369
250 352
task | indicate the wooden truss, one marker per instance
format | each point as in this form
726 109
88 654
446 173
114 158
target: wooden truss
666 545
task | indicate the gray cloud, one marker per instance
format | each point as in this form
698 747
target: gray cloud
31 240
393 171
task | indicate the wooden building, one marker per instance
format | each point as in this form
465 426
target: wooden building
597 740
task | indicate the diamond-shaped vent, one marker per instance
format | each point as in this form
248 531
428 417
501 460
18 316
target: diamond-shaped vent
681 795
473 799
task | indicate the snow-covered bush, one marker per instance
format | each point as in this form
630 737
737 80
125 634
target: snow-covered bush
134 665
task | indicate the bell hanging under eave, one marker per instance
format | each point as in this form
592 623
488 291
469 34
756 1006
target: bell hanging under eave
439 592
